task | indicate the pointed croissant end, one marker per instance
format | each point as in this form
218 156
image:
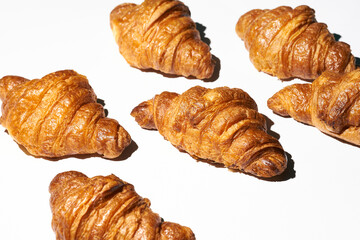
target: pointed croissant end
202 63
7 83
276 103
111 138
245 20
271 163
170 231
120 11
63 177
339 58
144 114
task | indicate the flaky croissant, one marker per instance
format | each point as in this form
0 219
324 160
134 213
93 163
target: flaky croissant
331 103
220 124
287 43
58 115
160 35
105 207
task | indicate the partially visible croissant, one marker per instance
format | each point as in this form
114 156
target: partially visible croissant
331 103
287 43
58 115
160 34
105 207
220 124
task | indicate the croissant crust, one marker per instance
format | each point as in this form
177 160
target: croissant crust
58 115
331 103
287 43
105 207
159 34
221 125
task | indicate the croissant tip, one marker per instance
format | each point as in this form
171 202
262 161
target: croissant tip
143 114
272 163
62 177
275 103
7 83
120 10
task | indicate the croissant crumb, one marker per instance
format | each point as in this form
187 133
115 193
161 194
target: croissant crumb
58 115
220 125
160 35
331 104
288 43
105 207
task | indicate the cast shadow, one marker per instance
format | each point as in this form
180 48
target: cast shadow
102 102
201 28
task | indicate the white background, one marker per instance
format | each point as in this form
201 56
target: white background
318 198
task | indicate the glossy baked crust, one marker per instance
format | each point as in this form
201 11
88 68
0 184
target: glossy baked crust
58 115
331 103
287 43
105 207
160 35
220 124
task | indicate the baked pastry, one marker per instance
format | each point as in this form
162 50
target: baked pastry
160 35
220 125
331 103
288 43
105 207
58 115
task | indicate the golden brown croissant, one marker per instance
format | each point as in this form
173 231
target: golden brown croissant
57 115
287 43
220 124
105 207
160 34
331 103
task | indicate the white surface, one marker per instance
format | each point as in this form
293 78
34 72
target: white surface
320 202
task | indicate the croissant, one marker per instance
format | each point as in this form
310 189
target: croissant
58 115
160 35
220 125
288 43
105 207
331 103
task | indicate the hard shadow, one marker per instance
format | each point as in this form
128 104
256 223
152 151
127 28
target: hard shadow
336 36
102 102
201 28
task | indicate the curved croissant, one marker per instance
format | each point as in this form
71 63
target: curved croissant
287 43
160 34
105 207
331 103
57 115
220 124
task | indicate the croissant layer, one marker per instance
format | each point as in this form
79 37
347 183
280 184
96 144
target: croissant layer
331 103
220 124
288 43
160 35
58 115
106 207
